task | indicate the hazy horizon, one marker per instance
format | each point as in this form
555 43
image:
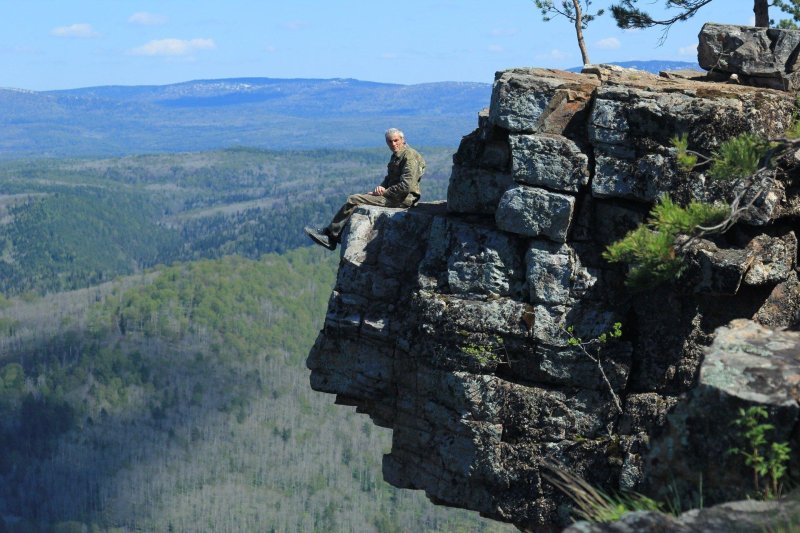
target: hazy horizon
377 82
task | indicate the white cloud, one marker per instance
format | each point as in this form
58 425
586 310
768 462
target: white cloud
173 47
295 25
554 54
389 55
496 48
271 49
690 50
147 19
503 32
75 30
609 43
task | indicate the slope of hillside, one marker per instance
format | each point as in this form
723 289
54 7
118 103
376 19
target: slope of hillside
178 401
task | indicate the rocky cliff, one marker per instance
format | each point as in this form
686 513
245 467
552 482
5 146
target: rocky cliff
448 321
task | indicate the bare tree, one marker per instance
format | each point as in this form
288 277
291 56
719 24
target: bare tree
575 13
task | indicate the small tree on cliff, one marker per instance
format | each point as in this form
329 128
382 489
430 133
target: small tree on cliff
575 13
628 15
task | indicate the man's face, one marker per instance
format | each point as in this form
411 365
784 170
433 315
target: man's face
395 143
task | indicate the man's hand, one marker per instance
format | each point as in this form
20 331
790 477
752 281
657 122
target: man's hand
378 191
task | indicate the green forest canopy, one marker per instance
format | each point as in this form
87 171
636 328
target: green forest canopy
178 400
66 224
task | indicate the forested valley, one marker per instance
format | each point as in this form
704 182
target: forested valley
155 318
67 224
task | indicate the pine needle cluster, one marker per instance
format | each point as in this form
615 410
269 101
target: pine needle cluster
739 157
687 159
650 249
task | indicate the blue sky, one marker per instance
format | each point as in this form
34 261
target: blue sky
59 44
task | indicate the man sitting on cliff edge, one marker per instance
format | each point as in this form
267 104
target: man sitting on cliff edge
400 188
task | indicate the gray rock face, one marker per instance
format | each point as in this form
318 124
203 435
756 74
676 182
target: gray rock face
448 323
774 259
756 364
476 190
644 179
550 271
782 307
635 117
716 271
532 211
467 259
481 170
724 518
747 365
539 100
550 161
764 260
759 56
555 274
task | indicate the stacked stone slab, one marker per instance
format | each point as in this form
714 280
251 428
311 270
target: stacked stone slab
448 322
765 57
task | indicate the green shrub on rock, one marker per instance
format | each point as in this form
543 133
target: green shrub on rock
650 249
768 459
739 157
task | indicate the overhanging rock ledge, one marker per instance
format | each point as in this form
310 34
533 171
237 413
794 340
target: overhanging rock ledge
447 321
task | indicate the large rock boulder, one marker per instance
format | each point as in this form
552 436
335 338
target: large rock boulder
540 100
765 57
551 161
535 212
747 365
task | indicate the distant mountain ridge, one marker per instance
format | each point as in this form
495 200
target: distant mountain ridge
266 113
286 92
652 65
212 114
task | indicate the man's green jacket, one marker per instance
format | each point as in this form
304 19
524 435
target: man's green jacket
404 171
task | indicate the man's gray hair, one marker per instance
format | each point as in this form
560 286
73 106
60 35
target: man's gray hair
394 131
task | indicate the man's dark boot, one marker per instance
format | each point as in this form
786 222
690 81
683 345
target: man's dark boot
321 237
